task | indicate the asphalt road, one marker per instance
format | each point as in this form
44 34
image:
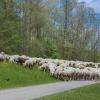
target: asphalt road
32 92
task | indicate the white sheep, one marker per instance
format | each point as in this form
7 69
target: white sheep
52 68
2 58
44 67
29 63
13 58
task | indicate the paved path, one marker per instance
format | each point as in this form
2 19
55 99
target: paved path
31 92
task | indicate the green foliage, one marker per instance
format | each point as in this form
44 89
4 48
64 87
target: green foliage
72 52
36 28
52 50
10 37
69 50
97 56
37 48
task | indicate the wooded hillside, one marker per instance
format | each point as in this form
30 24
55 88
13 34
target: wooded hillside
63 29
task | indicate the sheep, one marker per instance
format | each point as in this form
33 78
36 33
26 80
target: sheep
42 62
57 72
64 65
67 74
43 66
52 68
61 69
90 64
72 63
3 53
13 58
98 65
2 58
22 59
38 60
29 63
97 73
7 57
58 62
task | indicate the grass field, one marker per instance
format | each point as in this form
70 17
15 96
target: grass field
91 92
12 75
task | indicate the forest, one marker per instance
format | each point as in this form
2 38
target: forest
63 29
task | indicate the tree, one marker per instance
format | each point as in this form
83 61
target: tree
9 27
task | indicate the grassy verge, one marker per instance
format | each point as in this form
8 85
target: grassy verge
91 92
12 75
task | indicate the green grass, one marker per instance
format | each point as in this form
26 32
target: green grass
91 92
13 75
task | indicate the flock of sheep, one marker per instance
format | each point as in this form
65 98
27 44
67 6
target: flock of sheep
60 69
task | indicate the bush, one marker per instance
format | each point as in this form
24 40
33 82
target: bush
52 50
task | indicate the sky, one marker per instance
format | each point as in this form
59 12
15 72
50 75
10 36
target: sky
93 3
